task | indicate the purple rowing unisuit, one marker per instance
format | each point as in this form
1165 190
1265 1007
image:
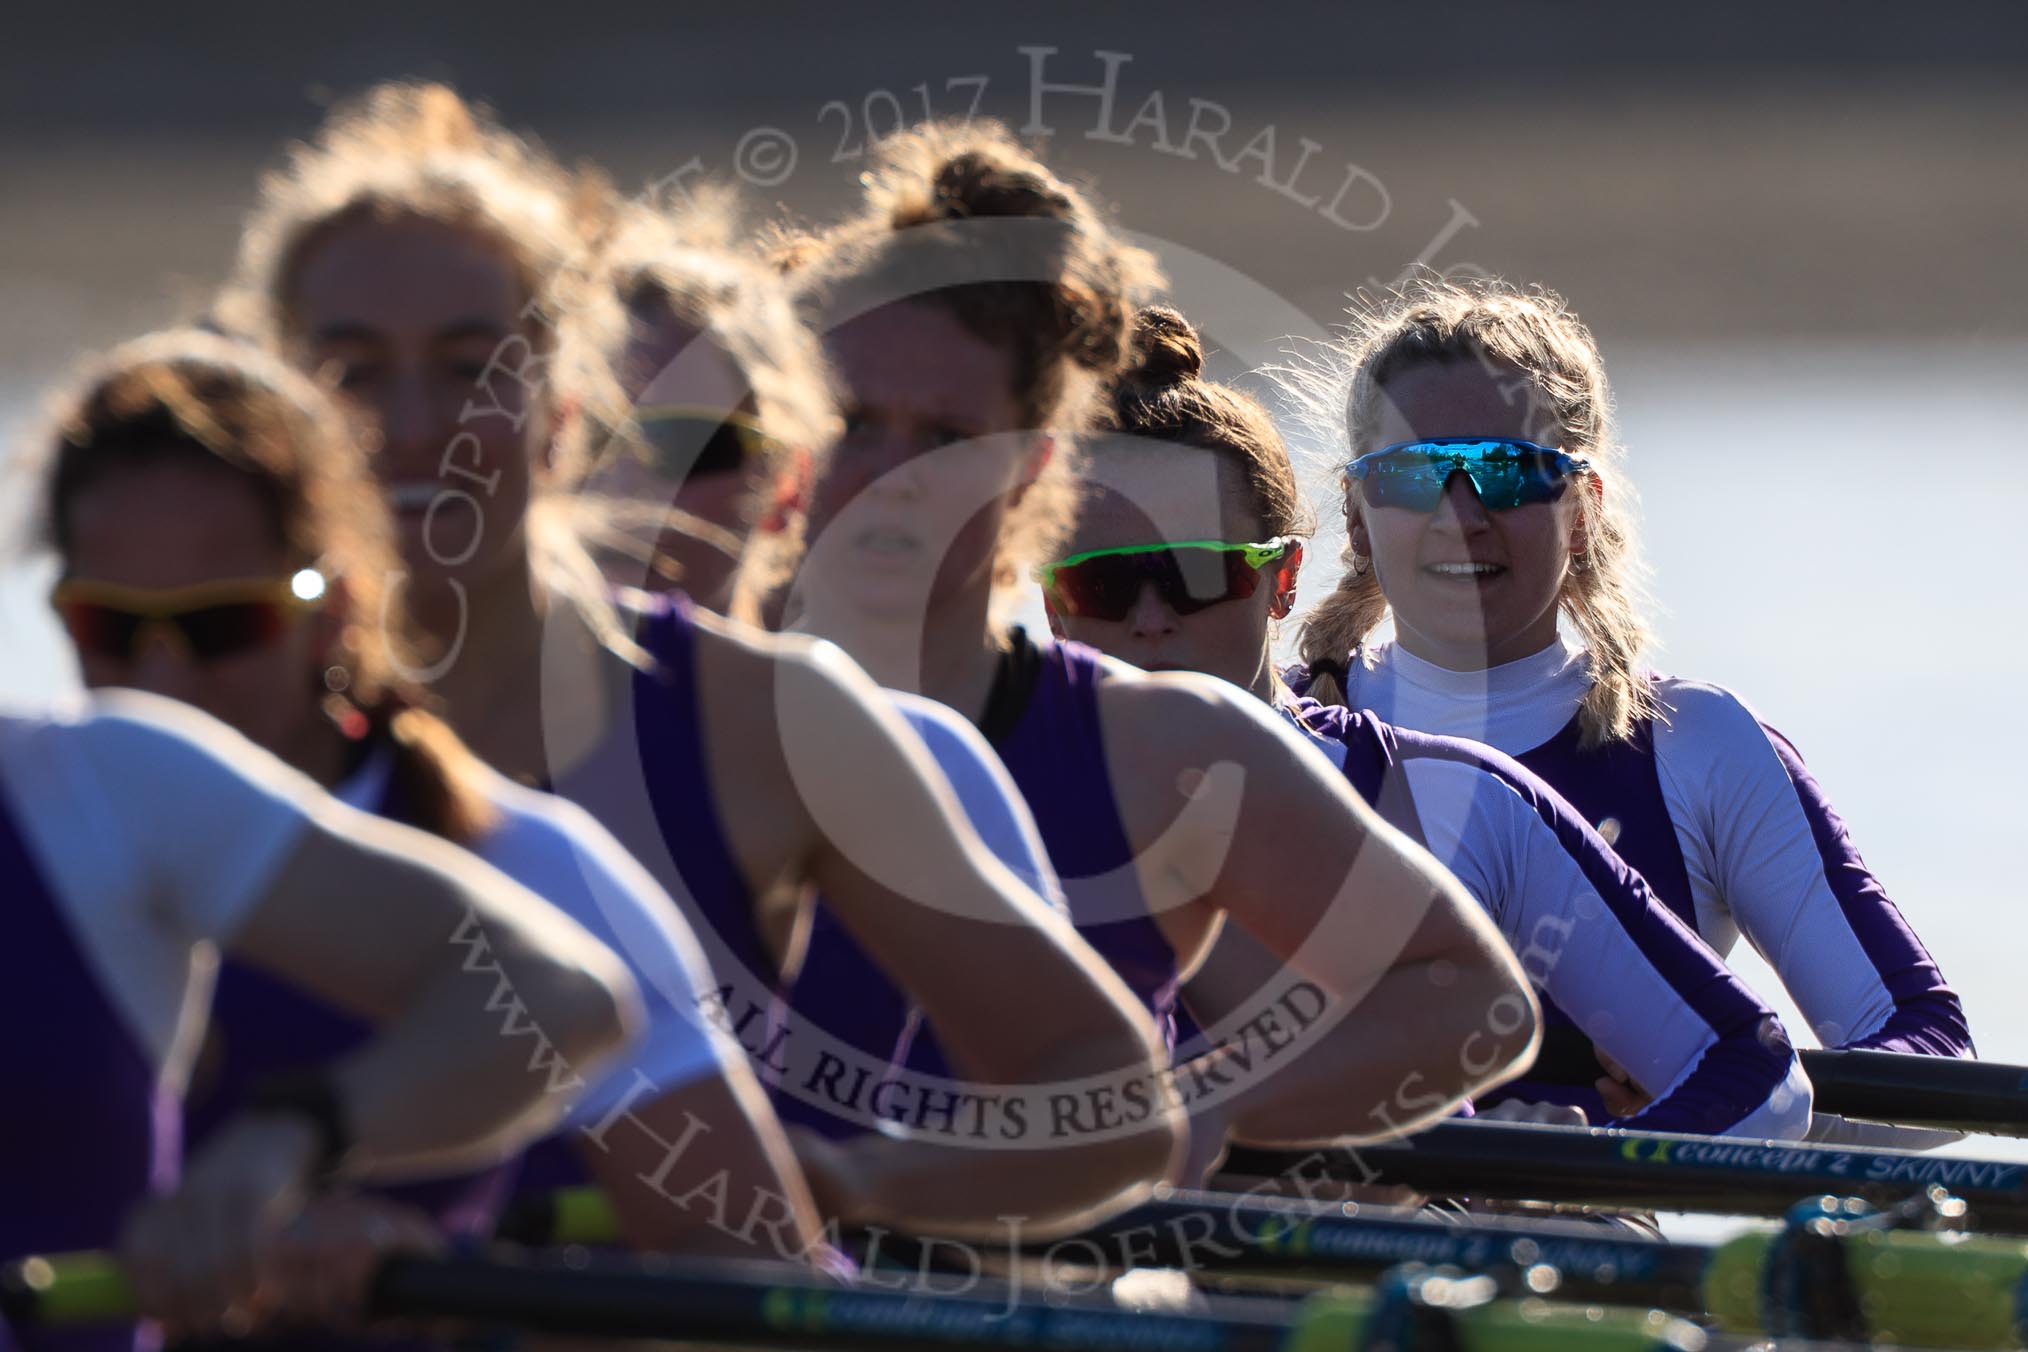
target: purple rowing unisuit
1591 935
1718 812
88 1126
1053 745
1042 717
831 995
262 1026
838 992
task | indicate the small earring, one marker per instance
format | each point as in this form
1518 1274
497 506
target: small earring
1580 563
347 717
1360 564
337 679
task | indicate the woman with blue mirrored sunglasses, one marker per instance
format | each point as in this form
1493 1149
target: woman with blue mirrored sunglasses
1519 621
1505 471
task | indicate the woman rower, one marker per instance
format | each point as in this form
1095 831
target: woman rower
437 263
1187 550
1484 500
220 542
730 403
133 832
971 310
732 409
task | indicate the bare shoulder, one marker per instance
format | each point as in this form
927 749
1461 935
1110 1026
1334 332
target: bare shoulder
780 708
739 656
1183 717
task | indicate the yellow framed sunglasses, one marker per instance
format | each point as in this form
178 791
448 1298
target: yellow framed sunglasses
212 619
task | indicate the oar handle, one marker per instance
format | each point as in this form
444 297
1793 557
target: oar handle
65 1288
1921 1091
1902 1088
1665 1171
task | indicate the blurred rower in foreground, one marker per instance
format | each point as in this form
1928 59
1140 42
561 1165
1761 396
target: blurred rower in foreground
220 542
134 833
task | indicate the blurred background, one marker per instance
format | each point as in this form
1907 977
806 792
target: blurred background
1797 230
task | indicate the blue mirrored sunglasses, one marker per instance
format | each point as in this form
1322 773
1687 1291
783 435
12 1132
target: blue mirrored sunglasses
1505 471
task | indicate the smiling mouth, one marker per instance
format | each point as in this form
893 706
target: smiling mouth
1465 572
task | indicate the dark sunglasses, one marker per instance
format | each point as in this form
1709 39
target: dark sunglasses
1189 576
212 620
1505 472
682 440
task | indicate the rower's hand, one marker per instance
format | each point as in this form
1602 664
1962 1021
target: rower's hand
326 1258
1623 1097
1550 1114
203 1260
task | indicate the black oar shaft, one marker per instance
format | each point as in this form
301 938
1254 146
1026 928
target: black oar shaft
1921 1091
576 1295
632 1300
1907 1090
1200 1231
1698 1173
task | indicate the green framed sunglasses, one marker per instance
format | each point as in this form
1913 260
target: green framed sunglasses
1189 576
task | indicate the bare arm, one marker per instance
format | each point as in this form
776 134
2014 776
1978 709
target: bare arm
391 924
998 1194
492 1003
388 922
1428 1003
705 1169
1341 1081
1018 1000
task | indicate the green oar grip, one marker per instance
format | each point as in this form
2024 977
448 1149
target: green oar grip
66 1288
583 1215
1333 1323
1915 1289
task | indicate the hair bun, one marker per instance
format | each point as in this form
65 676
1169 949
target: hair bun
980 184
949 171
1041 270
1167 350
